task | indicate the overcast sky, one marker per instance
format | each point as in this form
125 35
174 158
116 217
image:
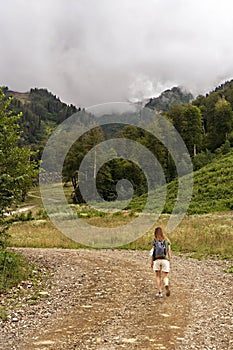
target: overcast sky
93 51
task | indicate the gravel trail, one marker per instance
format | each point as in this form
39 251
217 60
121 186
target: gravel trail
105 300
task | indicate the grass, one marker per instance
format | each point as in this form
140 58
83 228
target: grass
212 191
23 281
202 235
206 235
13 269
230 270
3 313
33 198
213 187
37 234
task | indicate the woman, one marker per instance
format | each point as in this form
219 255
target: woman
160 261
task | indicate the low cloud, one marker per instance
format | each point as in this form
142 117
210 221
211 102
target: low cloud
89 52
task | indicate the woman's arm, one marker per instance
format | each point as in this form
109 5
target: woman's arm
151 254
169 252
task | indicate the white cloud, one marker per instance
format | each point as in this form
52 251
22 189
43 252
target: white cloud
89 51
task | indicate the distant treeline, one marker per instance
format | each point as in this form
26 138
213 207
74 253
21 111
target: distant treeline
205 124
41 113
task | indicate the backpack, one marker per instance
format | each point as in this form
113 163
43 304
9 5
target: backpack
160 250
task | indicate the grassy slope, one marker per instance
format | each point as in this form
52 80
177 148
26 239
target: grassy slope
213 187
212 191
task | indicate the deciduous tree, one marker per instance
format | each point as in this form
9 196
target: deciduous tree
17 171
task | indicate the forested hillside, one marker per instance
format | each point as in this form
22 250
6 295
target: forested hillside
205 124
41 113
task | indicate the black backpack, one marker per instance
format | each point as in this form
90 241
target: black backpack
160 250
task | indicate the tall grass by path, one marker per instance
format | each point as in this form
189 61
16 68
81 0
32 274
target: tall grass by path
204 235
200 235
13 269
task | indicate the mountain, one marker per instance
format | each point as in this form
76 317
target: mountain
174 96
41 113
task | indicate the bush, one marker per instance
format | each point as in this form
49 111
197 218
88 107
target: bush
13 269
202 159
229 204
42 214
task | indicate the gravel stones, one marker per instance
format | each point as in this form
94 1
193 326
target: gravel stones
105 299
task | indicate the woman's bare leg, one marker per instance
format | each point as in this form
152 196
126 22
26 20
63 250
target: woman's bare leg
166 282
158 280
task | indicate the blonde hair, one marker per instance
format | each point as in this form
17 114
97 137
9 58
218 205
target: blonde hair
159 234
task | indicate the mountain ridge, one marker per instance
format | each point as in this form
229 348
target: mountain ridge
168 98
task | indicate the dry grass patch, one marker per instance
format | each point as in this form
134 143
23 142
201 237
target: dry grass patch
202 235
39 233
199 235
112 220
210 234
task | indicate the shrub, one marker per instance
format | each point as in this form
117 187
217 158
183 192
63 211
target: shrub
13 269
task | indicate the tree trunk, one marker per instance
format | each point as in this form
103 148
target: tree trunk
194 149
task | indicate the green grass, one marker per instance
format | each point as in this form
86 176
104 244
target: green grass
16 275
213 187
3 313
13 269
212 191
230 270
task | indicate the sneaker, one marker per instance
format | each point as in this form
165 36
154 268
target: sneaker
159 295
167 291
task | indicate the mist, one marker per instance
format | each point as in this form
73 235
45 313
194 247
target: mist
90 52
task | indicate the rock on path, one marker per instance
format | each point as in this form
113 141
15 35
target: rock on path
105 299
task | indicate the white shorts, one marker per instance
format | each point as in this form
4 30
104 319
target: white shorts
161 265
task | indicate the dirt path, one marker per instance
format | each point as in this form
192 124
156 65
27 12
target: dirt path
105 299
